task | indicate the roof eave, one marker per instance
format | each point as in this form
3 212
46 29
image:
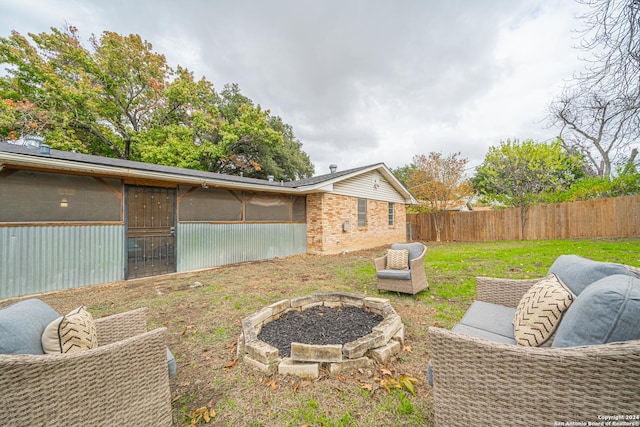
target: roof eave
38 162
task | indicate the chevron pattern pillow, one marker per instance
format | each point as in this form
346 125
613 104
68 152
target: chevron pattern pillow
71 333
398 259
540 310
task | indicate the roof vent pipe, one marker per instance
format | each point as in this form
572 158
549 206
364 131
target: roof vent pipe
270 178
333 168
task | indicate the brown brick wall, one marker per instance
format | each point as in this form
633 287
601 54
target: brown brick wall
326 214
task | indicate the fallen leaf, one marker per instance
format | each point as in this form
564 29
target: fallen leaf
230 364
408 383
200 411
272 384
385 371
300 385
341 377
407 348
367 387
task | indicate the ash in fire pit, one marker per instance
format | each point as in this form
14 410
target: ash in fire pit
319 325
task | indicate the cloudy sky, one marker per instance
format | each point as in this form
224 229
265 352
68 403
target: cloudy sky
360 81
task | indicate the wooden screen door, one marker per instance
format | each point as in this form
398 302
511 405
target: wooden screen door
151 229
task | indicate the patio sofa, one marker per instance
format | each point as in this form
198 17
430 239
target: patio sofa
122 379
588 369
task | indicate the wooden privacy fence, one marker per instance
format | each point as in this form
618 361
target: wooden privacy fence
600 218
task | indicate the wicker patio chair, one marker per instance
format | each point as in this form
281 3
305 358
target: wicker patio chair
123 382
483 383
411 281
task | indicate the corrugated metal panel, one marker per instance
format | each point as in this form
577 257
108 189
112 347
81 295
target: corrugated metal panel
36 259
371 185
202 245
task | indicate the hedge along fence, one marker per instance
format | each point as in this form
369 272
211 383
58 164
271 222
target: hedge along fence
600 218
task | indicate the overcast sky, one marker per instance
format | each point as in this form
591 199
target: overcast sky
360 81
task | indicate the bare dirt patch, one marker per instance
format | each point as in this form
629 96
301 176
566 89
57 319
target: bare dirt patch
203 311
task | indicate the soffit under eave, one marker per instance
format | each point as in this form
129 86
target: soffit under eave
75 168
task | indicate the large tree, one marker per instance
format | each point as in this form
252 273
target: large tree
439 183
599 126
518 173
119 98
599 109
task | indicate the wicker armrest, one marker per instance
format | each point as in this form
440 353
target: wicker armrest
124 383
479 382
416 266
380 263
120 326
507 292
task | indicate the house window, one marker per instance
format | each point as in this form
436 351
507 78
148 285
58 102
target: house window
362 212
28 196
392 209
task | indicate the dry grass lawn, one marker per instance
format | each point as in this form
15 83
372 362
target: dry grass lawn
203 311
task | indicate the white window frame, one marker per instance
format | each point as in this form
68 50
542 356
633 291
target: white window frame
362 212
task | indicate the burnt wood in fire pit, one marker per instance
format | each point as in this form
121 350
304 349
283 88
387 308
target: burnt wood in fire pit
319 325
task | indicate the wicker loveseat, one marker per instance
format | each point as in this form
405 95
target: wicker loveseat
411 280
479 380
122 382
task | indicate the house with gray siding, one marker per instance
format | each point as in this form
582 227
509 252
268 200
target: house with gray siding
69 219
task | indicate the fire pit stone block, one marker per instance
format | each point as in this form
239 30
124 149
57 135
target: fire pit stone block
316 353
264 367
383 354
279 308
262 352
299 369
377 304
389 326
359 347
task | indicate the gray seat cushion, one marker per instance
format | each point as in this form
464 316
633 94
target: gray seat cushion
606 311
394 274
22 325
415 249
484 334
491 319
577 272
171 363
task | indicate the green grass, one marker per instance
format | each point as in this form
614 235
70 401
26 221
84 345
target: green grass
453 267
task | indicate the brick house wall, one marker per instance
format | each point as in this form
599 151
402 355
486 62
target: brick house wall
327 212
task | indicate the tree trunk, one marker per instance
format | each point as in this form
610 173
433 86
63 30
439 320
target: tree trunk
438 223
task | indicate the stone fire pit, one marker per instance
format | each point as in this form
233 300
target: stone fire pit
384 340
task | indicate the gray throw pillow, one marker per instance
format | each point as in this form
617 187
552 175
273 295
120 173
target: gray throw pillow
22 325
606 311
577 272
